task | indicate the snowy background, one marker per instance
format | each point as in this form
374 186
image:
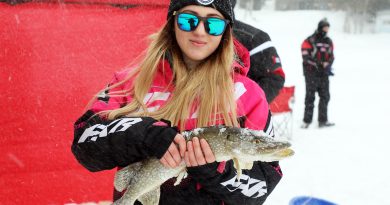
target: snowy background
347 164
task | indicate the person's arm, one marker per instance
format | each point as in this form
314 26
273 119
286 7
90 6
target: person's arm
307 50
326 65
101 144
331 54
219 178
266 67
254 186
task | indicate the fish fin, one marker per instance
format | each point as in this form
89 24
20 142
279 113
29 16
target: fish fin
123 177
237 165
124 199
150 198
182 175
247 165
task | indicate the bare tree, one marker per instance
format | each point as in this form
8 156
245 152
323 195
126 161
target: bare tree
359 13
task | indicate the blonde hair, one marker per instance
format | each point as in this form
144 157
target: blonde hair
207 89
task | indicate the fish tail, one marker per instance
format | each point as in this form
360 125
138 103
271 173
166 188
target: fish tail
123 177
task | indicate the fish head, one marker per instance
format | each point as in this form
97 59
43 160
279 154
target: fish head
255 145
242 143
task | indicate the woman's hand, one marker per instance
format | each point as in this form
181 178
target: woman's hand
173 156
198 153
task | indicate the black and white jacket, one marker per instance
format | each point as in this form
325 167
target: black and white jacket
265 65
102 144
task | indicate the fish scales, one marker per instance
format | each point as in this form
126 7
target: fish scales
143 179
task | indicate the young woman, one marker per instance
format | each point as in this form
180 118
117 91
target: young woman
193 75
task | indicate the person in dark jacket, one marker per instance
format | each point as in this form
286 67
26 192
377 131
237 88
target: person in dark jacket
191 64
317 54
266 68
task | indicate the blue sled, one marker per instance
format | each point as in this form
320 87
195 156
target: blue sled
309 200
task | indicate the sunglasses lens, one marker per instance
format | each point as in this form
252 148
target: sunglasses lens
215 26
187 22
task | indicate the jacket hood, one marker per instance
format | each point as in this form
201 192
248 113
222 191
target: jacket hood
241 63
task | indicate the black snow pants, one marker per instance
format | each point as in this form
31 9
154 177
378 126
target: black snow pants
320 84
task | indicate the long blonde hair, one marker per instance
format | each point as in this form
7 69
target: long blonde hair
208 88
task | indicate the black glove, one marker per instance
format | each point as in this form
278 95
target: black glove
329 71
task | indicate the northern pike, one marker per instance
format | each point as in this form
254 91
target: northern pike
244 146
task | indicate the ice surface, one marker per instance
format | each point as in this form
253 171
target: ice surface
347 164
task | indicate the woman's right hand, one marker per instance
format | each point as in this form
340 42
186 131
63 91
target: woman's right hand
175 153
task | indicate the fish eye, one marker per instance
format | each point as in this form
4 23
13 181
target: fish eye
228 137
232 138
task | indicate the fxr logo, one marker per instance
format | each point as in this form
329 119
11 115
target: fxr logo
250 187
100 130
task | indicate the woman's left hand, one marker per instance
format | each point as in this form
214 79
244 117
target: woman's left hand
198 153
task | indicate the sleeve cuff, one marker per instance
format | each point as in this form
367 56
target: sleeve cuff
204 172
159 138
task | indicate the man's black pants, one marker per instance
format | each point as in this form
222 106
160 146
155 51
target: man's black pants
315 84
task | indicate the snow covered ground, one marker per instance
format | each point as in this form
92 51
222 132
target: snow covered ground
349 163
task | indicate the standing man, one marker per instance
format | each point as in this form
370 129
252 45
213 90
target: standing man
265 66
317 54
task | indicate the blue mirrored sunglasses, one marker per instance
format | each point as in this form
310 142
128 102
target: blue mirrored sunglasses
189 22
